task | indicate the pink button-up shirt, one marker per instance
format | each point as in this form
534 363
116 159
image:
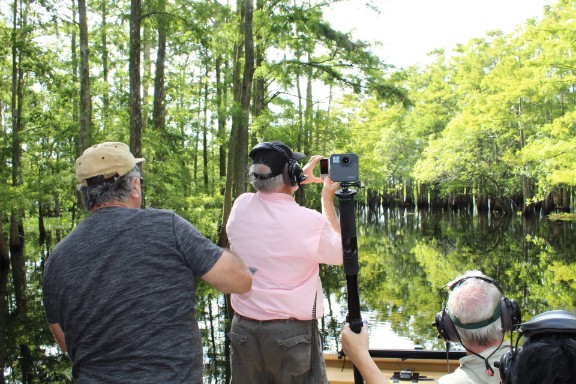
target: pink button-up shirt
283 244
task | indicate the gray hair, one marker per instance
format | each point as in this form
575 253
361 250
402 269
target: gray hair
117 190
473 301
272 184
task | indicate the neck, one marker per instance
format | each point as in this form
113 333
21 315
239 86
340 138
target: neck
288 189
481 348
120 204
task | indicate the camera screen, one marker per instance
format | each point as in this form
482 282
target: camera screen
324 166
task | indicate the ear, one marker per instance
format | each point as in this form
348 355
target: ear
136 187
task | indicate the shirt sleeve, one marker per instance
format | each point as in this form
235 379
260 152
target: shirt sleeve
49 313
199 253
50 306
330 246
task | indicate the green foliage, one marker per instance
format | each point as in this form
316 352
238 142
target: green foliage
550 154
562 217
497 117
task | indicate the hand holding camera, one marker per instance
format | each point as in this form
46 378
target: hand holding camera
339 168
308 170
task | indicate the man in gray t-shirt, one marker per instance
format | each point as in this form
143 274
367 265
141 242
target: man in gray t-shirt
119 290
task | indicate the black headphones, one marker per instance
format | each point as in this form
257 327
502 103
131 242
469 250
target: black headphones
508 312
292 173
550 322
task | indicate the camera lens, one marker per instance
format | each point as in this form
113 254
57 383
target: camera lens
346 160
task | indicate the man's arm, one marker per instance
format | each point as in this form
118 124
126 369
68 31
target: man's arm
328 191
59 336
229 274
328 210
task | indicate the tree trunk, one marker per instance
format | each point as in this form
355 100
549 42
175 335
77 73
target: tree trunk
305 131
134 72
422 200
238 152
528 205
197 131
73 48
260 82
16 242
549 204
75 101
84 138
246 96
220 97
205 129
16 217
104 42
159 113
566 199
147 75
304 136
4 269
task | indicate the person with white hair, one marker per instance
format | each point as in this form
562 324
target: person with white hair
477 316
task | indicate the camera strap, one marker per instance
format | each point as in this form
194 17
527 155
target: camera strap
313 326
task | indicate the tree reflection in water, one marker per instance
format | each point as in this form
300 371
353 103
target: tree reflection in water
407 257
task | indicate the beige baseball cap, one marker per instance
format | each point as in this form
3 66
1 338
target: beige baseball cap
106 159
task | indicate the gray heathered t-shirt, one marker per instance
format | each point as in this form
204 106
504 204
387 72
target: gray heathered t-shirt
122 287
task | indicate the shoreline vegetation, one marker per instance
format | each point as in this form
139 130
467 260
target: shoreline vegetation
562 217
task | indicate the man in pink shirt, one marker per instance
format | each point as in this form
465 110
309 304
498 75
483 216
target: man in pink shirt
274 334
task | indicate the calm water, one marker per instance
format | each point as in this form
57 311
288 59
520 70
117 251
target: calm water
406 257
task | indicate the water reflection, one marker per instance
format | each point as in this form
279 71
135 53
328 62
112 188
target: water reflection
406 257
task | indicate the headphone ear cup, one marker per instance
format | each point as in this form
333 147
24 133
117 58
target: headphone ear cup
446 328
293 174
298 173
286 175
510 314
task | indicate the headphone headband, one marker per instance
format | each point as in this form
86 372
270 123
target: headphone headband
480 324
472 275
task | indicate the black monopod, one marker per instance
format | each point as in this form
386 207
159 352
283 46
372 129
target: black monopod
350 249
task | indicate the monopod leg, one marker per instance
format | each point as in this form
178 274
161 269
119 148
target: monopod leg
350 249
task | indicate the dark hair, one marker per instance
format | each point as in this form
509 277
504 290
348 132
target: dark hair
546 358
116 190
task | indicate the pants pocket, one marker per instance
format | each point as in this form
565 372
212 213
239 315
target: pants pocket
237 339
295 353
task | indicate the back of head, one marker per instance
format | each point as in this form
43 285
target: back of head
104 172
549 351
478 302
549 359
261 180
274 166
